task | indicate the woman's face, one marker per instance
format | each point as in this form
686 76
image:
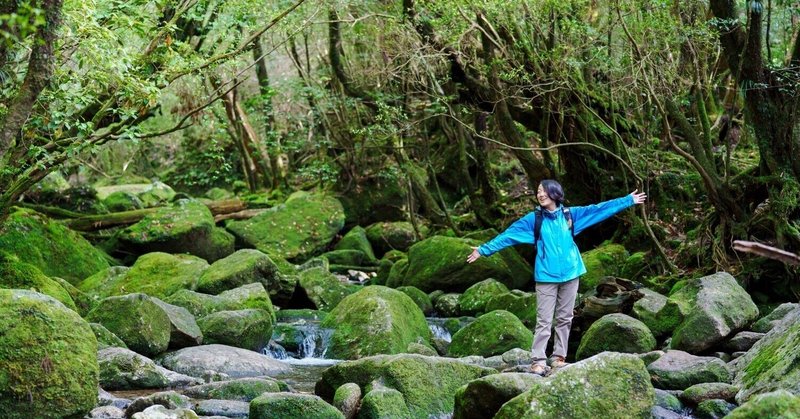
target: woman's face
544 199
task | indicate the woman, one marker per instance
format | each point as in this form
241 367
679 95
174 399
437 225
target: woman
558 261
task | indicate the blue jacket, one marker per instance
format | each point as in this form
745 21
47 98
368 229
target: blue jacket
558 258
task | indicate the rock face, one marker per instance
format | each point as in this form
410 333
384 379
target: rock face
375 320
199 361
122 369
51 247
616 332
437 263
714 306
766 323
491 334
48 355
187 226
136 319
773 363
427 384
184 330
678 370
605 385
483 397
296 230
292 406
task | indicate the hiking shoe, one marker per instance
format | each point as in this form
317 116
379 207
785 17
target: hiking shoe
538 369
557 362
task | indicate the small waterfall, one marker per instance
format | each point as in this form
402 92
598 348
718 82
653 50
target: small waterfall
275 350
302 341
315 345
438 330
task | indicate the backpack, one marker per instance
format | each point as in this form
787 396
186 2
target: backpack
537 226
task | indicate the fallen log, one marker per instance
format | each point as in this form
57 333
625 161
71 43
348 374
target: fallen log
766 251
103 221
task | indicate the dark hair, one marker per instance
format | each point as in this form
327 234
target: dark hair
554 190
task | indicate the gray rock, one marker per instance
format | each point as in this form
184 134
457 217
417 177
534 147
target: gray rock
107 412
714 409
105 398
743 341
447 305
766 323
347 399
234 362
678 370
659 412
483 397
226 408
708 391
668 401
161 412
657 312
123 369
184 331
240 389
517 356
167 399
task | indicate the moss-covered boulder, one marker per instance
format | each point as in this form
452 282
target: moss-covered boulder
776 404
186 226
616 332
292 406
766 323
660 314
300 228
51 247
773 363
386 236
678 370
245 297
605 385
122 369
347 258
714 306
491 334
382 403
15 274
184 330
483 397
248 329
375 320
439 263
48 358
156 274
106 339
447 305
300 315
347 399
356 239
323 288
709 391
245 267
519 303
83 301
218 194
422 300
473 301
136 319
605 260
414 376
240 389
122 201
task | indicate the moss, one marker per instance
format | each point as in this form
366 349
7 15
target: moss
242 267
217 194
51 247
247 329
296 230
156 193
20 275
707 391
83 302
347 257
482 398
109 278
491 334
473 300
386 236
660 314
420 298
519 303
777 404
375 320
603 261
397 274
616 332
447 305
122 201
324 289
137 320
251 296
292 406
356 239
48 356
714 408
105 338
242 389
347 398
384 403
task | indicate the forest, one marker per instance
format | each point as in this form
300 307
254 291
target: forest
173 153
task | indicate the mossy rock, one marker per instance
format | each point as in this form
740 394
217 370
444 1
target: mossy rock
606 385
679 370
246 329
447 305
414 376
108 279
396 276
616 332
473 301
766 323
136 319
48 355
660 314
601 262
440 263
347 399
323 288
251 296
714 409
296 230
221 244
156 274
386 236
292 406
713 306
105 338
218 194
122 201
356 239
375 320
378 198
776 404
300 315
420 298
241 268
491 334
186 226
15 274
347 257
184 330
519 303
483 397
83 302
384 403
241 389
156 193
708 391
51 247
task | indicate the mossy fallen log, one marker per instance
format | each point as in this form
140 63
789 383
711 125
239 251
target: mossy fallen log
103 221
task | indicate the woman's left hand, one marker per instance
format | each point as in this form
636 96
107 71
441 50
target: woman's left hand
638 197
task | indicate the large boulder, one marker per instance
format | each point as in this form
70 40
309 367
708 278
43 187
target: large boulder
292 406
616 332
106 339
323 288
300 228
773 363
245 267
200 361
659 313
200 305
766 323
473 301
248 329
184 330
241 389
122 369
422 300
714 306
156 274
483 397
184 227
602 261
605 385
519 303
356 239
136 319
777 404
678 370
375 320
383 402
48 358
438 263
491 334
386 236
15 274
51 247
428 384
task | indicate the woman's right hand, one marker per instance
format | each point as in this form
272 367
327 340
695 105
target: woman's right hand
474 255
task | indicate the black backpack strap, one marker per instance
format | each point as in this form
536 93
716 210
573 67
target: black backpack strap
568 217
537 225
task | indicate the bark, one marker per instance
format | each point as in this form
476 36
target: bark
278 173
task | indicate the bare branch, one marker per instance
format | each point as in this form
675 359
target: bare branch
766 251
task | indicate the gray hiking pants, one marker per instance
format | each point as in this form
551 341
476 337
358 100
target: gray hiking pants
558 299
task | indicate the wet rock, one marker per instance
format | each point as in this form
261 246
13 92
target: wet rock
347 399
123 369
199 361
766 323
226 408
743 341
